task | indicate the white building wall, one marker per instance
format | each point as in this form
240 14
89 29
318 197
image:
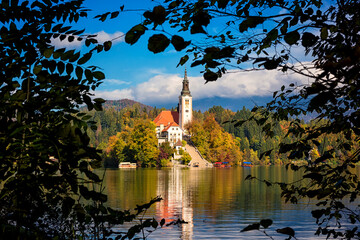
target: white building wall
185 110
174 134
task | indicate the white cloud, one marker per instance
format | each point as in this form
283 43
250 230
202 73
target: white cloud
102 37
115 82
167 87
115 94
116 37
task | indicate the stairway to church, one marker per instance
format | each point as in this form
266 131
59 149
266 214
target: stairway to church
196 159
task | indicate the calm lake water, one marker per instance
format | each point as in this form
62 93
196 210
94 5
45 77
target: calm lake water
217 203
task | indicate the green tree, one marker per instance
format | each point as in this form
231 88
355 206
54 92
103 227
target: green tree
185 158
165 154
143 143
198 136
213 142
264 34
114 152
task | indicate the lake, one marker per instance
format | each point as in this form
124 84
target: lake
217 203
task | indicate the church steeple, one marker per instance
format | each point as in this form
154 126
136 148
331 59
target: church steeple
185 89
185 103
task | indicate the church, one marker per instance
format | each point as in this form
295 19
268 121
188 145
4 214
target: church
170 124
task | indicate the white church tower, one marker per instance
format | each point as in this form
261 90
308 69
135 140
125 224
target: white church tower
185 104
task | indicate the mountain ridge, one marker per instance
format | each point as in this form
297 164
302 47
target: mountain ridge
202 104
124 103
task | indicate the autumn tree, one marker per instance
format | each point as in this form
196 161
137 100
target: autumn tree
165 154
185 158
115 151
213 142
137 144
143 143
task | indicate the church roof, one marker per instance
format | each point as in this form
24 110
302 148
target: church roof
167 117
172 124
178 143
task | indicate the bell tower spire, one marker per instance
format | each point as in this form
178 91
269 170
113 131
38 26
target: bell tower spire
185 103
185 88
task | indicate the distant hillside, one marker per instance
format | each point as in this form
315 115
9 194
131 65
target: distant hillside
124 103
233 104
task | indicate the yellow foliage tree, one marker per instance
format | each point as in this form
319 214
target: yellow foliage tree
143 143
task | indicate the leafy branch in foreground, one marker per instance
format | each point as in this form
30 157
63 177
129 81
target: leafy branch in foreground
265 224
48 188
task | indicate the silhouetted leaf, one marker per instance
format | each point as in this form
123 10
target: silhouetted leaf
162 222
48 52
158 43
183 60
254 226
222 3
287 231
99 100
114 14
154 223
133 35
308 39
210 76
179 43
271 64
88 75
37 69
272 35
84 59
107 45
60 67
69 68
201 18
292 37
250 22
197 28
315 176
79 72
266 223
158 15
99 75
317 213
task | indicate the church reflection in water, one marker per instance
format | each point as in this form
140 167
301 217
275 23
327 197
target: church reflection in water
177 191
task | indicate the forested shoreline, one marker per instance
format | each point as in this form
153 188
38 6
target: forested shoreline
214 132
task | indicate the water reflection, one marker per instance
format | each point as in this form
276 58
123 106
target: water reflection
216 203
177 200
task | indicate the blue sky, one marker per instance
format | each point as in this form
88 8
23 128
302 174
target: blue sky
134 72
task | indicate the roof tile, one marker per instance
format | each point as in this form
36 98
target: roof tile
166 117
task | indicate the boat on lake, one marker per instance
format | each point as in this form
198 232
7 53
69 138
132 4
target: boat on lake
127 165
247 164
222 164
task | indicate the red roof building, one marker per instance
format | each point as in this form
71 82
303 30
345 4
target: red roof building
167 117
170 124
167 127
